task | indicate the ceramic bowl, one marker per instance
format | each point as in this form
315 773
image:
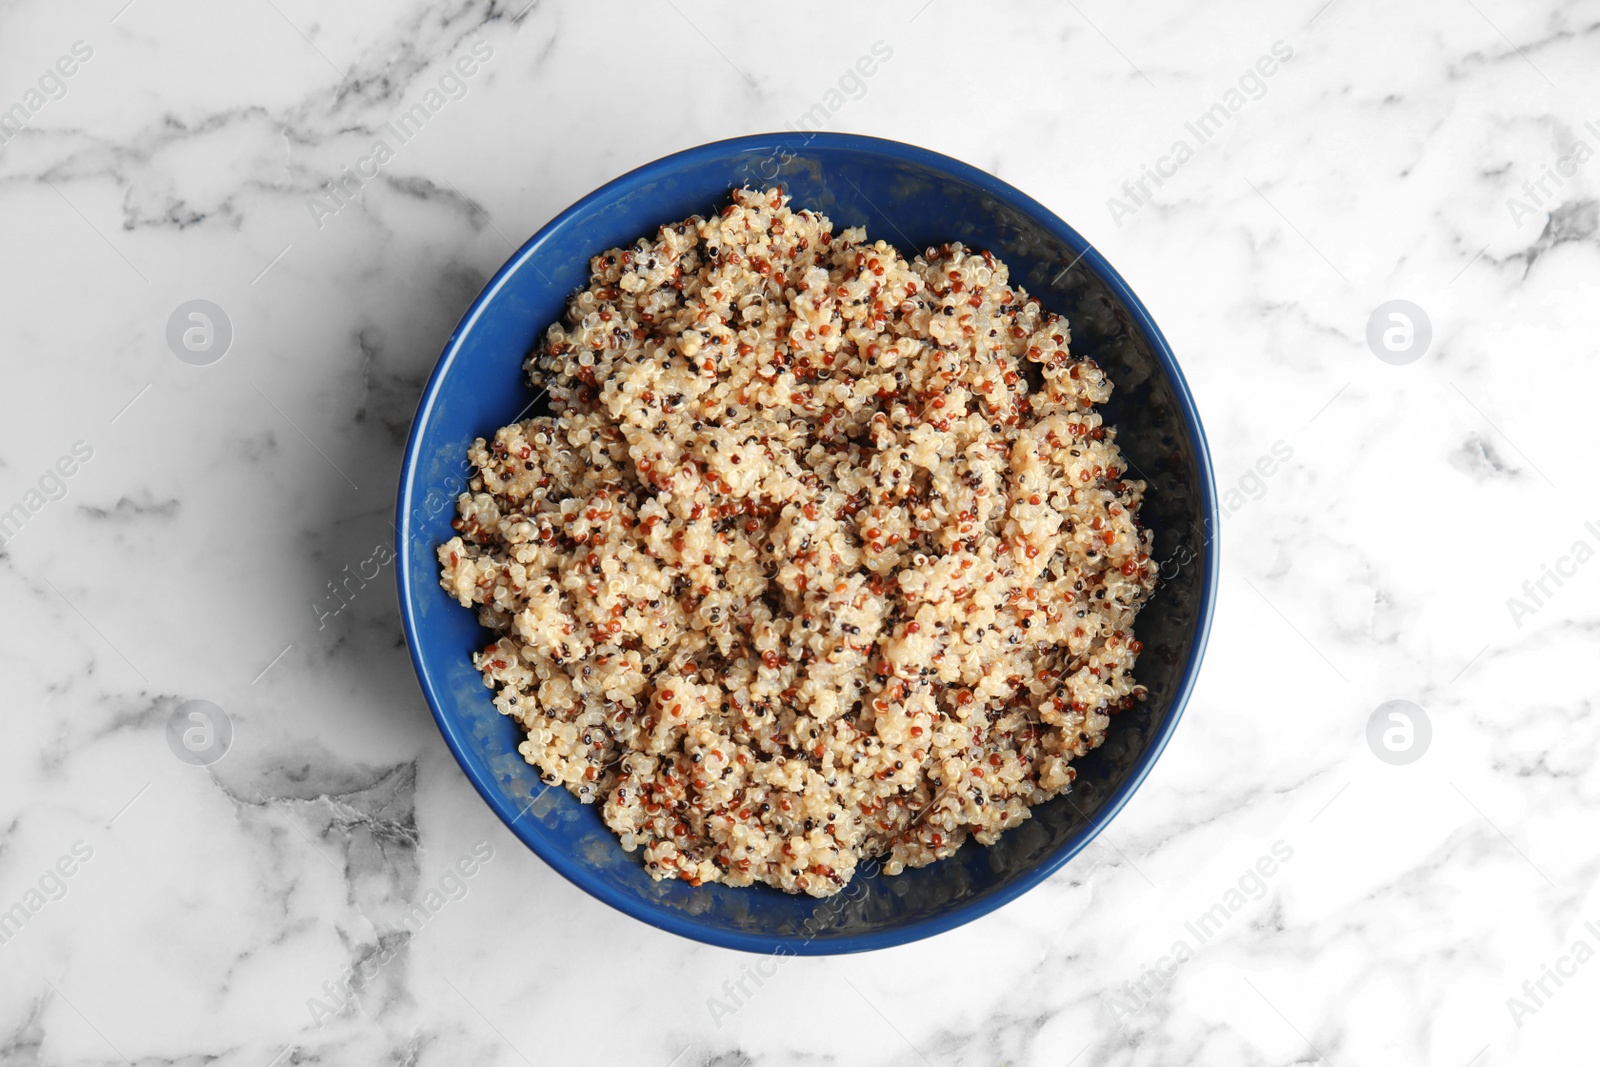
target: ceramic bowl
913 198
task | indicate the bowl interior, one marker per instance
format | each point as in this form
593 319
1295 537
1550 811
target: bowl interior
911 198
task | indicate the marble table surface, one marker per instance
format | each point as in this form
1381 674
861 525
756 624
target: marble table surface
1312 874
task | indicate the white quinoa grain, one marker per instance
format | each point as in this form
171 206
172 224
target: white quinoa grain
824 553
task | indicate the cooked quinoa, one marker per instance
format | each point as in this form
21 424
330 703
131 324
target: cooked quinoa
824 553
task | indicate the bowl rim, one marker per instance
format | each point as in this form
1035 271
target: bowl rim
795 944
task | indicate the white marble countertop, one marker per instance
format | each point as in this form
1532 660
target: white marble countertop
1427 531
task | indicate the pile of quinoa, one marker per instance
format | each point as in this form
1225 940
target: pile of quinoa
823 553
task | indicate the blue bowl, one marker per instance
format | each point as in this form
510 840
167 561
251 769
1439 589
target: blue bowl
913 198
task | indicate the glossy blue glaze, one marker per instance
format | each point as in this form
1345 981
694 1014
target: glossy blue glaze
912 198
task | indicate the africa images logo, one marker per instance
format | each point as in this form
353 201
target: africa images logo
52 85
341 192
1251 86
